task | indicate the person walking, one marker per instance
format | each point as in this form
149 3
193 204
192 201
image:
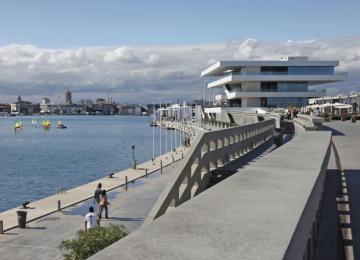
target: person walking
103 204
90 219
97 196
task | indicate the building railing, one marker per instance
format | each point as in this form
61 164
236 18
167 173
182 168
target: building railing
263 73
210 151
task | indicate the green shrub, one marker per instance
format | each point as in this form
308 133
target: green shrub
92 241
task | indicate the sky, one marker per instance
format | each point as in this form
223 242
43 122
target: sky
140 51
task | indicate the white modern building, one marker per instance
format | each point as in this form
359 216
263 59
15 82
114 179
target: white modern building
271 83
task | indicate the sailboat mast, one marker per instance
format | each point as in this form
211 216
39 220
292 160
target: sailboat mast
153 151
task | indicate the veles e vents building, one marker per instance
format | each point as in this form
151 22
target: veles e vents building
269 83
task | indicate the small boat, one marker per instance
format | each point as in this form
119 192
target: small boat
46 124
153 124
33 123
60 125
18 125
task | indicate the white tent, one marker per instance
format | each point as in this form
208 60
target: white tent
343 106
326 105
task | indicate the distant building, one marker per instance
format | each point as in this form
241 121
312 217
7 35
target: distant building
103 108
45 101
100 101
271 83
73 109
129 109
24 107
86 102
45 106
5 109
68 100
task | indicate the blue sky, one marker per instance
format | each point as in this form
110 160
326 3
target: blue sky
151 50
79 23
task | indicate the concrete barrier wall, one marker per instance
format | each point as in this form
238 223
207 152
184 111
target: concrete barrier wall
307 122
305 235
210 151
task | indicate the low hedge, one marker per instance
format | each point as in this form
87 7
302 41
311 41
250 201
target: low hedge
88 243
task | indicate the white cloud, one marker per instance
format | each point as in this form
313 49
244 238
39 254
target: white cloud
246 49
123 53
152 59
151 72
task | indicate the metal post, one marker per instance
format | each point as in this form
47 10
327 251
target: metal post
172 156
161 166
59 205
1 227
146 173
126 183
133 157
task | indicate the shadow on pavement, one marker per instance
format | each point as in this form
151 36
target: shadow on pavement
126 219
229 169
40 228
334 131
328 240
353 184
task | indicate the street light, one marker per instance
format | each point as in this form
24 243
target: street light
133 157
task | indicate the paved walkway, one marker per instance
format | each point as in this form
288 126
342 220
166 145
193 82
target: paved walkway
41 238
345 155
71 197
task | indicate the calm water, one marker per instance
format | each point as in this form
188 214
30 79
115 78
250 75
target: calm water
34 162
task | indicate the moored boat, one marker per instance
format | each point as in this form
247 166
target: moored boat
46 124
60 125
33 123
18 125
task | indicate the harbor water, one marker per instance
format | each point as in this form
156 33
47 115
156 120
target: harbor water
35 162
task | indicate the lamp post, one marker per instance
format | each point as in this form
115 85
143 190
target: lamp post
133 157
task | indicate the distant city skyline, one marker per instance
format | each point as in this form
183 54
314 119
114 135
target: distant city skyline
157 52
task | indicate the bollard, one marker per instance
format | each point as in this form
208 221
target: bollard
1 227
160 166
126 183
172 156
21 217
146 170
182 154
59 205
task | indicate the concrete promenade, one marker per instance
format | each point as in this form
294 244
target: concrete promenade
41 238
264 211
49 205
